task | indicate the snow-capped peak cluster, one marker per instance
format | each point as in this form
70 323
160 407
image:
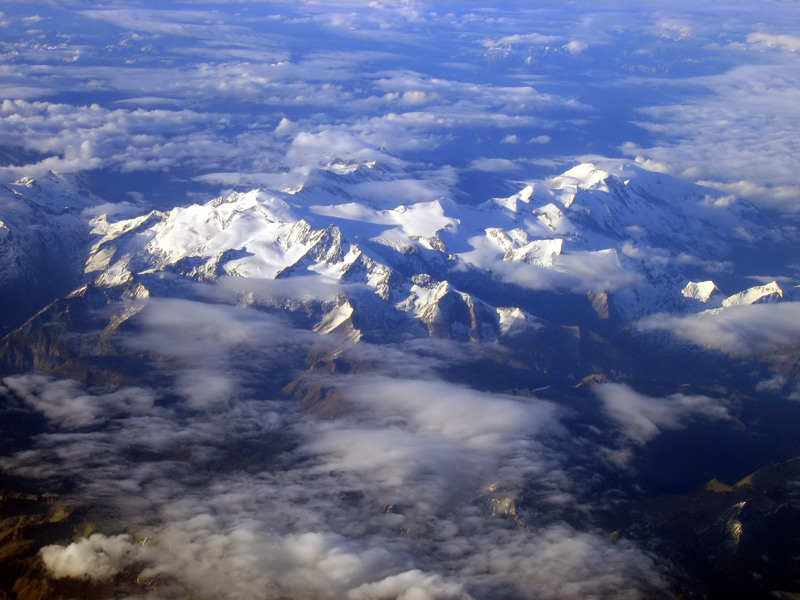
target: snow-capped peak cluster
714 299
618 230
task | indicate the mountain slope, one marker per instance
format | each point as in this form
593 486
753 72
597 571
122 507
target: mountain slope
620 236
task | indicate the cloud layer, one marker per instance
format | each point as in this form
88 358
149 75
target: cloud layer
205 480
737 330
408 493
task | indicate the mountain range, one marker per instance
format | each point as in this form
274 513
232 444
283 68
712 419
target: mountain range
573 286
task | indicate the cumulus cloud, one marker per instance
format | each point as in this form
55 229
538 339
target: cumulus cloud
403 432
453 412
214 343
562 563
89 137
411 585
575 47
97 557
313 529
737 330
213 561
522 38
642 418
326 146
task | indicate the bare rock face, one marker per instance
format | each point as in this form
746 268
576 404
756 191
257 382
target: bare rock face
736 541
75 337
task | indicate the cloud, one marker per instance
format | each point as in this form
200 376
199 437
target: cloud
246 561
787 42
289 532
402 432
328 145
737 330
674 30
577 271
411 585
453 412
405 191
289 180
212 346
419 487
460 102
666 259
251 496
518 39
67 406
564 564
642 418
90 137
285 127
751 136
97 557
218 145
575 47
492 165
23 91
276 291
207 25
149 101
412 97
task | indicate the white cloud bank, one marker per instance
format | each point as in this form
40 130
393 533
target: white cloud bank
787 42
642 418
737 330
68 406
739 135
97 557
249 497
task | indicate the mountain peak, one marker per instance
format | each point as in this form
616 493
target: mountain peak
759 294
704 291
585 176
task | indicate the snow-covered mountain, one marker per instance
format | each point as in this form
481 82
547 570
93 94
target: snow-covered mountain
561 288
618 236
563 263
44 238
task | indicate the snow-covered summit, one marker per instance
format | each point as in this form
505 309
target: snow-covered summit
759 294
616 232
703 291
